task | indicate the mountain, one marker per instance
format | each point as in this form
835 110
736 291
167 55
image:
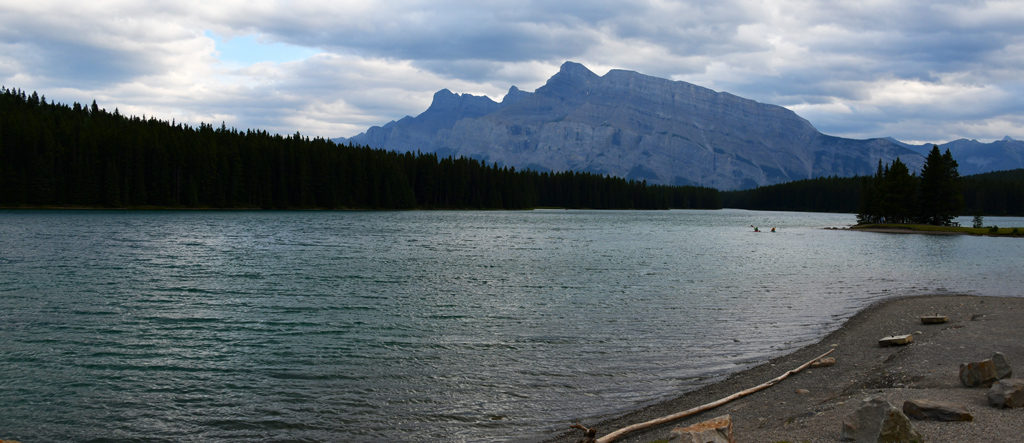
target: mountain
974 157
635 126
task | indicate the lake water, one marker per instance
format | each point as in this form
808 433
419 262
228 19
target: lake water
370 326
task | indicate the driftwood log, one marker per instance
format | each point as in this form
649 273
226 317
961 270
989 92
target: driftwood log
670 418
589 434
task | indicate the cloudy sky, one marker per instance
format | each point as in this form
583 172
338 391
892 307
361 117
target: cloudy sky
919 71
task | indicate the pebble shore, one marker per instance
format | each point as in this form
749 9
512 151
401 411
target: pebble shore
811 405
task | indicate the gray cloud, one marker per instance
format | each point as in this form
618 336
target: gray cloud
84 65
915 70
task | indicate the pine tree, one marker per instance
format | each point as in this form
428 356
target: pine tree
898 196
890 196
871 198
940 198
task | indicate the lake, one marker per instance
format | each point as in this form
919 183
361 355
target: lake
424 325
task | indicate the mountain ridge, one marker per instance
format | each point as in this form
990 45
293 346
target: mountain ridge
636 126
975 157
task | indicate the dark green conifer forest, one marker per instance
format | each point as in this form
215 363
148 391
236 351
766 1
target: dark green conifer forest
895 195
825 194
54 155
992 193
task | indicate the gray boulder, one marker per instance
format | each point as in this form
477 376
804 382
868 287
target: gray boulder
878 421
985 372
1003 369
978 373
1008 393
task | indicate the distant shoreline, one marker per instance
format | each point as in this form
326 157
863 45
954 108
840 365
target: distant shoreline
133 208
927 368
940 230
175 208
905 231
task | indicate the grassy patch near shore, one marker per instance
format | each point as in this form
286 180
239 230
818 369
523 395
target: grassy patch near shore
990 230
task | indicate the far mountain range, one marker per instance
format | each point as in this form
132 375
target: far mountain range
641 127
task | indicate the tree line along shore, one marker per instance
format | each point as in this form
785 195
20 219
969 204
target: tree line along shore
998 193
54 155
57 155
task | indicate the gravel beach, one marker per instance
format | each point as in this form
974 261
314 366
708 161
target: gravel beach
811 405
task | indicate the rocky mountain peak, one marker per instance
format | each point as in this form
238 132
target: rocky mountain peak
575 70
445 101
635 126
571 78
514 95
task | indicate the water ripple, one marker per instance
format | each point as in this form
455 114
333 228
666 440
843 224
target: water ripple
374 326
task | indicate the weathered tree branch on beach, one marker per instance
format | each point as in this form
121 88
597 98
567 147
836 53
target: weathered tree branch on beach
669 418
589 434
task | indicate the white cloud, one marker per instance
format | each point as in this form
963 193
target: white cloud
917 93
914 70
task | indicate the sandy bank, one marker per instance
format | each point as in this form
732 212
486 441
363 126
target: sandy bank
907 231
925 369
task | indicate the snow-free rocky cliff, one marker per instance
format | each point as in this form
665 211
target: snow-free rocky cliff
636 126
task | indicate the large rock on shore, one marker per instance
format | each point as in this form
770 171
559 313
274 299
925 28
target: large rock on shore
978 373
985 372
1003 369
936 410
1007 393
878 421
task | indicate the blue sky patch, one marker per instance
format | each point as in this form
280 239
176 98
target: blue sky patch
247 50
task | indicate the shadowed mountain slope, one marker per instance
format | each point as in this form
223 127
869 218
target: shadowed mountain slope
636 126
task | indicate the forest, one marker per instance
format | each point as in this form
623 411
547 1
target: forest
895 195
55 155
994 193
825 194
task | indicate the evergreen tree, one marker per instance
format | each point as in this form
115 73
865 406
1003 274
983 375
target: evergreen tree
870 198
899 194
994 193
940 198
890 196
978 221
